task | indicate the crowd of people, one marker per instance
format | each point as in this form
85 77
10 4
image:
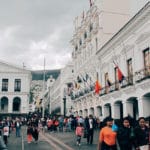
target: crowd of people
8 125
128 136
125 134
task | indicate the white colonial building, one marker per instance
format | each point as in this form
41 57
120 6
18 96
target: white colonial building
14 90
60 101
100 47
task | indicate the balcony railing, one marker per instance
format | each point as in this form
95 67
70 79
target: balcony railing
130 80
142 74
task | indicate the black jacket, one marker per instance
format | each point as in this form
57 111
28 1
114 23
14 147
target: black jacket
124 138
87 125
141 136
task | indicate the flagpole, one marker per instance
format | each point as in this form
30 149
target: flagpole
43 101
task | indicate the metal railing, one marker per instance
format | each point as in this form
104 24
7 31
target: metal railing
130 80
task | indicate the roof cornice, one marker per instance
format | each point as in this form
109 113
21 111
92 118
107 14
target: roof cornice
127 29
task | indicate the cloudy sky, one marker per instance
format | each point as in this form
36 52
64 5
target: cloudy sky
33 29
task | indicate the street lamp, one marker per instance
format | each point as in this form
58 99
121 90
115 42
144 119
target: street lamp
64 101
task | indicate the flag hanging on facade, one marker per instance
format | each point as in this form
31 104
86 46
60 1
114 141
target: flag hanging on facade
70 89
77 85
79 79
97 86
109 83
120 75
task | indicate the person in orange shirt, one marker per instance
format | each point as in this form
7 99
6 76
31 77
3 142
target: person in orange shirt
107 137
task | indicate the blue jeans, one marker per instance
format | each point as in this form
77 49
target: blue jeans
17 132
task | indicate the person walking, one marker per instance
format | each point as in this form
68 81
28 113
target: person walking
35 133
125 136
107 137
142 135
5 133
89 127
29 133
18 127
79 133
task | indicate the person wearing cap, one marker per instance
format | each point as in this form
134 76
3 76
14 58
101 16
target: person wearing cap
107 137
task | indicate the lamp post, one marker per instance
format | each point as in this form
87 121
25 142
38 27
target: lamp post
43 102
64 101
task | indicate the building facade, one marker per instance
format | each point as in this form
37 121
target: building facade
14 90
60 101
127 49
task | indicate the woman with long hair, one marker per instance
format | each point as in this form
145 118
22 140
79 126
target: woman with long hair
142 135
107 137
125 135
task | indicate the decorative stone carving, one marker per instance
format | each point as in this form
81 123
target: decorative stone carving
107 97
129 90
145 85
116 94
142 37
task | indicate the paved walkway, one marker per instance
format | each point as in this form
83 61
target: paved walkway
69 138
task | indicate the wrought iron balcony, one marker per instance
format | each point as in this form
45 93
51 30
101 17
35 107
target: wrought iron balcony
142 74
130 80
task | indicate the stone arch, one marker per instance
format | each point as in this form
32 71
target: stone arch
107 110
76 113
85 112
99 111
118 110
16 104
80 113
91 111
4 104
146 104
132 107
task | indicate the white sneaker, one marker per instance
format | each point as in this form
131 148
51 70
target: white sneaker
77 143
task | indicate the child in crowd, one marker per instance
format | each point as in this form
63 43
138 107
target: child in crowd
29 134
79 133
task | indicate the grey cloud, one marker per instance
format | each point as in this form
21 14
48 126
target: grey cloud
41 28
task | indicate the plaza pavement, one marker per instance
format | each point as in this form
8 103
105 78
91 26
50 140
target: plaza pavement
68 138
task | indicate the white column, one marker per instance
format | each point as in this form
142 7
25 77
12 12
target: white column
127 108
10 104
115 110
141 107
84 114
91 111
106 111
96 112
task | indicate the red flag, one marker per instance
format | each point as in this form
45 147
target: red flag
97 87
120 74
